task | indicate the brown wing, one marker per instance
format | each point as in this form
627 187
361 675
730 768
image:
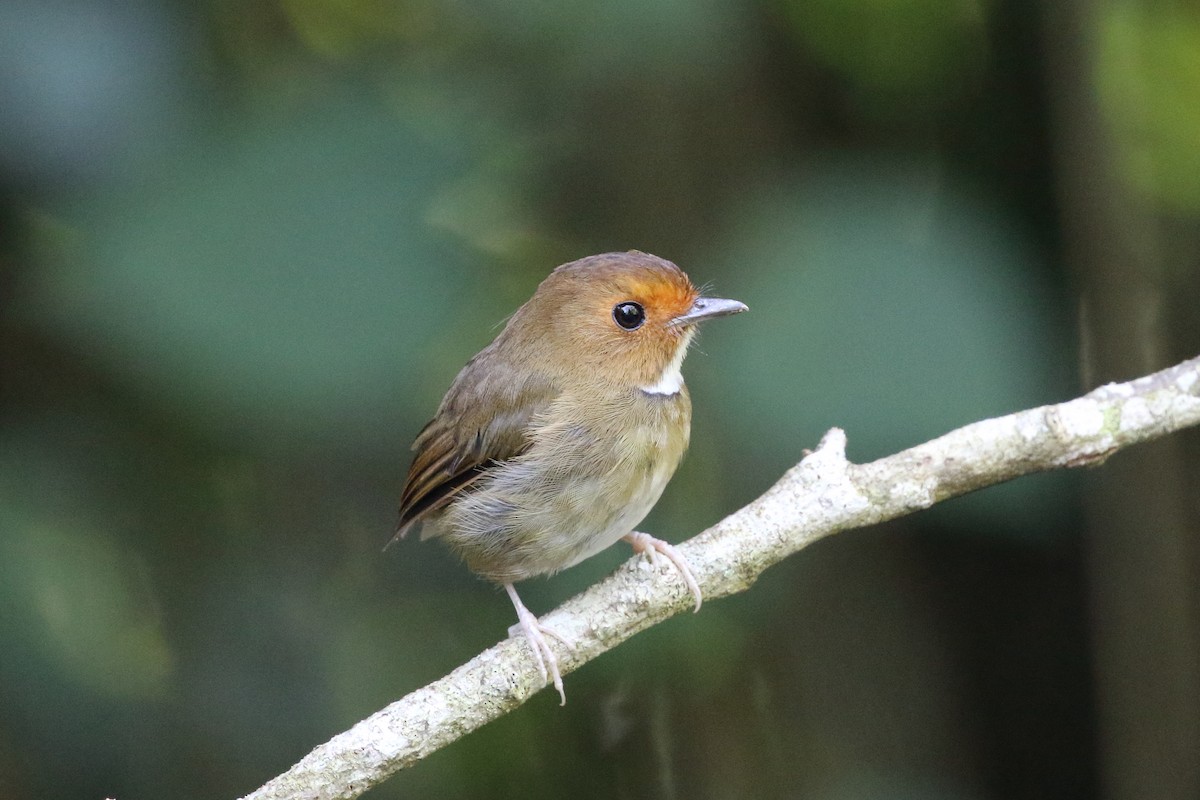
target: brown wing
482 421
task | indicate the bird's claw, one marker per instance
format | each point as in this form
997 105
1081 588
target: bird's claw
536 633
652 547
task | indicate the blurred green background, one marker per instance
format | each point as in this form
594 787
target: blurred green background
245 247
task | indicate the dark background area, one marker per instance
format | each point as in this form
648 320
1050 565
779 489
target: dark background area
245 247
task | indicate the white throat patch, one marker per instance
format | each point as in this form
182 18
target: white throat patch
671 380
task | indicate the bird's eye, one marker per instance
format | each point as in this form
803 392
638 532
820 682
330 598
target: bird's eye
629 315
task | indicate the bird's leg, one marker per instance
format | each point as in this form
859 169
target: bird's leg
535 634
645 543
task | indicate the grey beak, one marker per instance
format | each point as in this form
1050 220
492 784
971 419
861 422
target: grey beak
707 308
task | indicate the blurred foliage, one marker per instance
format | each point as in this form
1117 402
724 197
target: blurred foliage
342 30
1149 78
244 248
83 603
907 48
202 279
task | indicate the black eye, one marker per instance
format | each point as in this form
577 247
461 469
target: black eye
629 315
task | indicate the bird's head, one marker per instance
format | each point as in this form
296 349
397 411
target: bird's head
618 319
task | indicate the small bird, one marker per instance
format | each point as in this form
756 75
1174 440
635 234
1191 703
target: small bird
558 438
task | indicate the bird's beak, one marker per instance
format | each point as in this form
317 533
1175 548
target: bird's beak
707 308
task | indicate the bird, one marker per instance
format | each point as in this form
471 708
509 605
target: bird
556 439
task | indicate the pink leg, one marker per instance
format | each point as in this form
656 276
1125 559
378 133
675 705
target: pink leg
534 630
645 543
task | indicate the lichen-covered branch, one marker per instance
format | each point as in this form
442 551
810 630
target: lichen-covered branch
821 495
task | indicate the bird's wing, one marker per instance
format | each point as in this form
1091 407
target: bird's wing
483 420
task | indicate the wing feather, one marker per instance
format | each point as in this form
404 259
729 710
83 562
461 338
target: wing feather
482 421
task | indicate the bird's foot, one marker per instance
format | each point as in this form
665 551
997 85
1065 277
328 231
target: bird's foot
645 543
536 633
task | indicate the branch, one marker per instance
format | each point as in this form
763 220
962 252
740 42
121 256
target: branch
821 495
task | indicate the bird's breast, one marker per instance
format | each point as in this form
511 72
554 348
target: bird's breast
594 469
